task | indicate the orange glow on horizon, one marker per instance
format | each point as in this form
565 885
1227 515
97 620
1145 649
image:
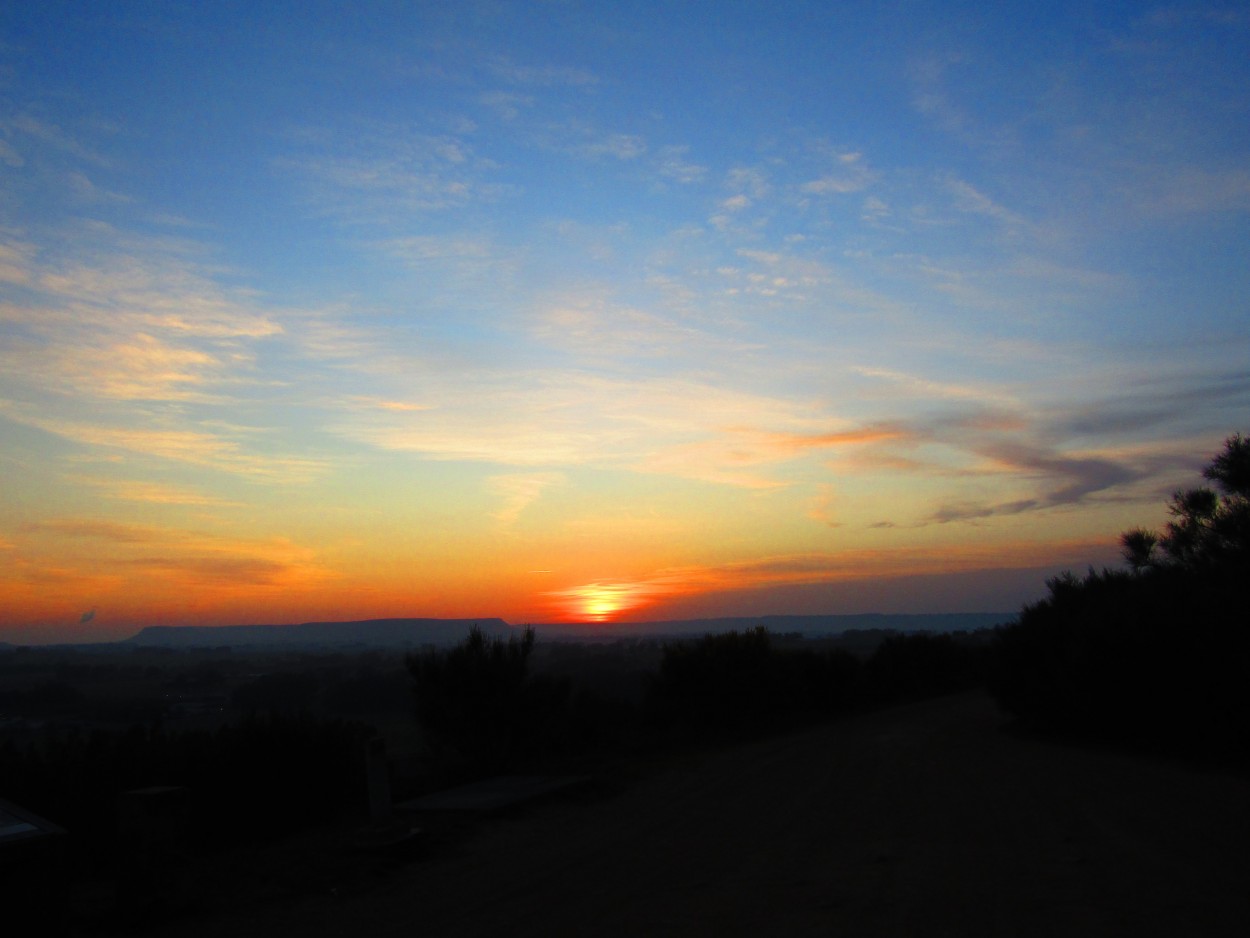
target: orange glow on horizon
158 576
608 602
598 602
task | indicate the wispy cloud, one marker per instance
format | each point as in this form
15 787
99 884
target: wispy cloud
740 456
90 193
139 367
506 104
556 418
750 181
937 79
543 76
378 403
1069 480
380 174
1160 403
519 491
775 274
929 389
589 324
16 263
788 443
628 597
139 285
190 558
430 248
973 201
96 529
849 174
229 572
194 447
822 506
1016 462
132 346
671 163
54 135
617 145
456 265
155 493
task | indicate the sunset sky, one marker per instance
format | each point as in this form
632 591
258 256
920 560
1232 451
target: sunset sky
567 311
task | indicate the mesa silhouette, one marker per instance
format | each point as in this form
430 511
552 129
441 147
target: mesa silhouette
402 633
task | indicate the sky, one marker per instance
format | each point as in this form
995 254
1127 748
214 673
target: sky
605 312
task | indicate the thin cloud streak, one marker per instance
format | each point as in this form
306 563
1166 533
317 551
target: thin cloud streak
151 492
519 492
633 597
192 558
208 450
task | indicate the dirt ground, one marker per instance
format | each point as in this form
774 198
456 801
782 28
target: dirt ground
922 820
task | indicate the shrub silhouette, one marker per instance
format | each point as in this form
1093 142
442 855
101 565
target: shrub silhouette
738 680
481 709
261 777
921 665
719 680
1156 654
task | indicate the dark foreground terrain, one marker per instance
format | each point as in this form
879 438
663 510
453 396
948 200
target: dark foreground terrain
926 819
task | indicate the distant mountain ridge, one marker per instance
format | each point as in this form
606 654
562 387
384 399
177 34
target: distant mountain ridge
393 633
804 625
373 632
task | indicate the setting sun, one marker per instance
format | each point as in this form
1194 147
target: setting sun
601 608
597 602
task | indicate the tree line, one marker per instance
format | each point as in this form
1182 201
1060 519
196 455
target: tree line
1155 654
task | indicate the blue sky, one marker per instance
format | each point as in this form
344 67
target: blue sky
569 310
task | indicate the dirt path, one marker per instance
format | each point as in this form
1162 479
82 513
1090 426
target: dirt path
924 820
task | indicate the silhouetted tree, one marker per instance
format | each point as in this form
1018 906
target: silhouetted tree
1208 526
1138 546
1158 655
